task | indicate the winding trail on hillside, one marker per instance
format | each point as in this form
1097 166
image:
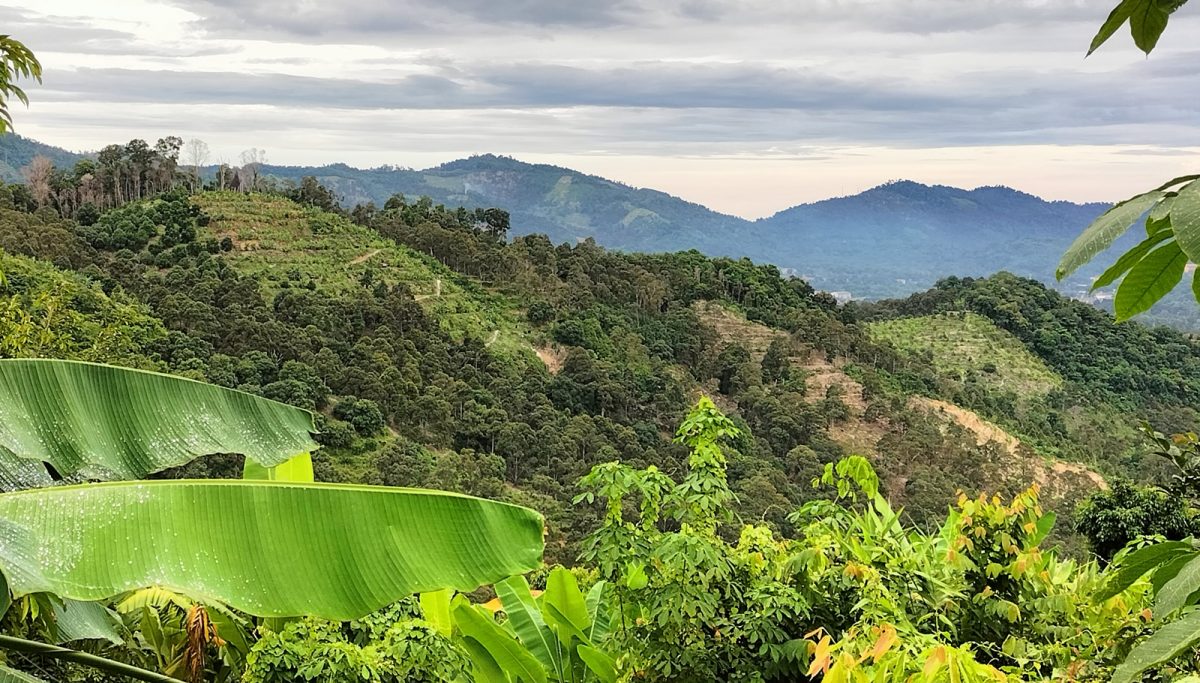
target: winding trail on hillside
365 257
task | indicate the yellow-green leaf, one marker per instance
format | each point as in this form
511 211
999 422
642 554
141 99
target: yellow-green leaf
1149 280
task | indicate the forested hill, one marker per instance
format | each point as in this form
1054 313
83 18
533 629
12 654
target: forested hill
440 353
892 240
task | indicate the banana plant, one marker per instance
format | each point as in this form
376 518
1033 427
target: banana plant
268 547
552 637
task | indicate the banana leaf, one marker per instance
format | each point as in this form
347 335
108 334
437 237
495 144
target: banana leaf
105 422
8 675
272 549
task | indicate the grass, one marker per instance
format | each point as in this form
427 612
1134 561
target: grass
964 343
281 242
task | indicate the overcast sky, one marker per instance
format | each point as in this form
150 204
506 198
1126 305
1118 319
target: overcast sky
747 106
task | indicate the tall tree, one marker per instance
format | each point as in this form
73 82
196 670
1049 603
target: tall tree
197 156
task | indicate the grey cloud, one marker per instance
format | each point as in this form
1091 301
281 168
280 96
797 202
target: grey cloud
711 102
369 20
49 33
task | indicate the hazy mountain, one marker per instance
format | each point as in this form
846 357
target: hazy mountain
902 237
564 204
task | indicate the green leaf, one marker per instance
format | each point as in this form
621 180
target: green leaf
1149 280
298 469
1104 231
1147 23
1115 20
77 620
484 667
1135 565
528 623
5 596
272 549
1185 219
1166 644
8 675
110 422
435 607
509 655
599 663
1130 258
568 602
598 612
1174 594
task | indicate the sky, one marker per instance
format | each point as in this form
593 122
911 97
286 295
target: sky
746 106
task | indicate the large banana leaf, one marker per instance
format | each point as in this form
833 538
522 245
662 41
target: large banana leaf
274 549
8 675
117 423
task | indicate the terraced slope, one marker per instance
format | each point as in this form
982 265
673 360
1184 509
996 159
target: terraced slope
285 244
966 343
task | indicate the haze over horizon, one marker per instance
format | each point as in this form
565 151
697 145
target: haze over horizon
744 107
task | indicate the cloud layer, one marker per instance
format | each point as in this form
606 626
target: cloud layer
656 79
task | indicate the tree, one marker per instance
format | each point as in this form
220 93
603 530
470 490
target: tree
252 163
197 156
16 62
1115 518
1157 264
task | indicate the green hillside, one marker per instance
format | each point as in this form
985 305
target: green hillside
968 344
283 244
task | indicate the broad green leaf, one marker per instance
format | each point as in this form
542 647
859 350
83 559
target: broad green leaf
110 422
298 469
1135 565
1174 593
8 675
1185 219
1147 23
510 655
1166 644
77 620
563 595
1149 280
525 617
273 549
599 663
5 596
1129 259
1116 19
598 612
484 667
1166 572
435 607
1104 231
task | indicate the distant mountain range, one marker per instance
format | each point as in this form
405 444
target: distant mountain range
888 241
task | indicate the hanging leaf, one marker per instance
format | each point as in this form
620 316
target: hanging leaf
110 422
266 548
1115 20
1130 258
1174 593
1135 565
1147 23
1149 280
435 607
1166 644
1104 231
1184 213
